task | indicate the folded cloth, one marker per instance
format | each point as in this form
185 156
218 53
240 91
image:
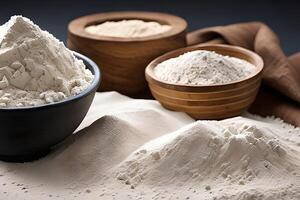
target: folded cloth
280 93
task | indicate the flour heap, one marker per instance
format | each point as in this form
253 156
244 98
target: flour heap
202 67
216 154
128 29
35 67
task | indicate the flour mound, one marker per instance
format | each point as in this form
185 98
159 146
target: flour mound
128 29
215 154
202 67
35 67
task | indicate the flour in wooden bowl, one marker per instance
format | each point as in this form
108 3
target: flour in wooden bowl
201 67
128 29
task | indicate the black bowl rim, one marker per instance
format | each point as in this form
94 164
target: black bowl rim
85 92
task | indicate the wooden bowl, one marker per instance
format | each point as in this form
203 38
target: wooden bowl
123 60
213 101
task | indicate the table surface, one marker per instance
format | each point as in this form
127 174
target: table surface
282 16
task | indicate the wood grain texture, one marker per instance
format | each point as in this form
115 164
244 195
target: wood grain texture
213 101
123 60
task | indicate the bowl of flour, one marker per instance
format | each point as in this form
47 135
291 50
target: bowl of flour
124 43
207 81
45 90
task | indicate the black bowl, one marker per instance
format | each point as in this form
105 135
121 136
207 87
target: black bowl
28 133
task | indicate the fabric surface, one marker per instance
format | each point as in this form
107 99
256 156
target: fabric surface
280 93
116 126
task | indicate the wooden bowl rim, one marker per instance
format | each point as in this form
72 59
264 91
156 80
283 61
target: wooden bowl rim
77 26
259 64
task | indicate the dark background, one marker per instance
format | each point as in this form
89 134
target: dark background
282 16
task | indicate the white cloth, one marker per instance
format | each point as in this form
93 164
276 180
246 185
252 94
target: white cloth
82 167
114 127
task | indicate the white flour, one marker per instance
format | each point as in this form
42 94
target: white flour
35 67
135 149
203 68
213 156
128 29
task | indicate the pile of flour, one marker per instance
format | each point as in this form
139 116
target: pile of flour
213 157
35 67
202 67
135 149
128 29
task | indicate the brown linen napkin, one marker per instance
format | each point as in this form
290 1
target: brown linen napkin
280 93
